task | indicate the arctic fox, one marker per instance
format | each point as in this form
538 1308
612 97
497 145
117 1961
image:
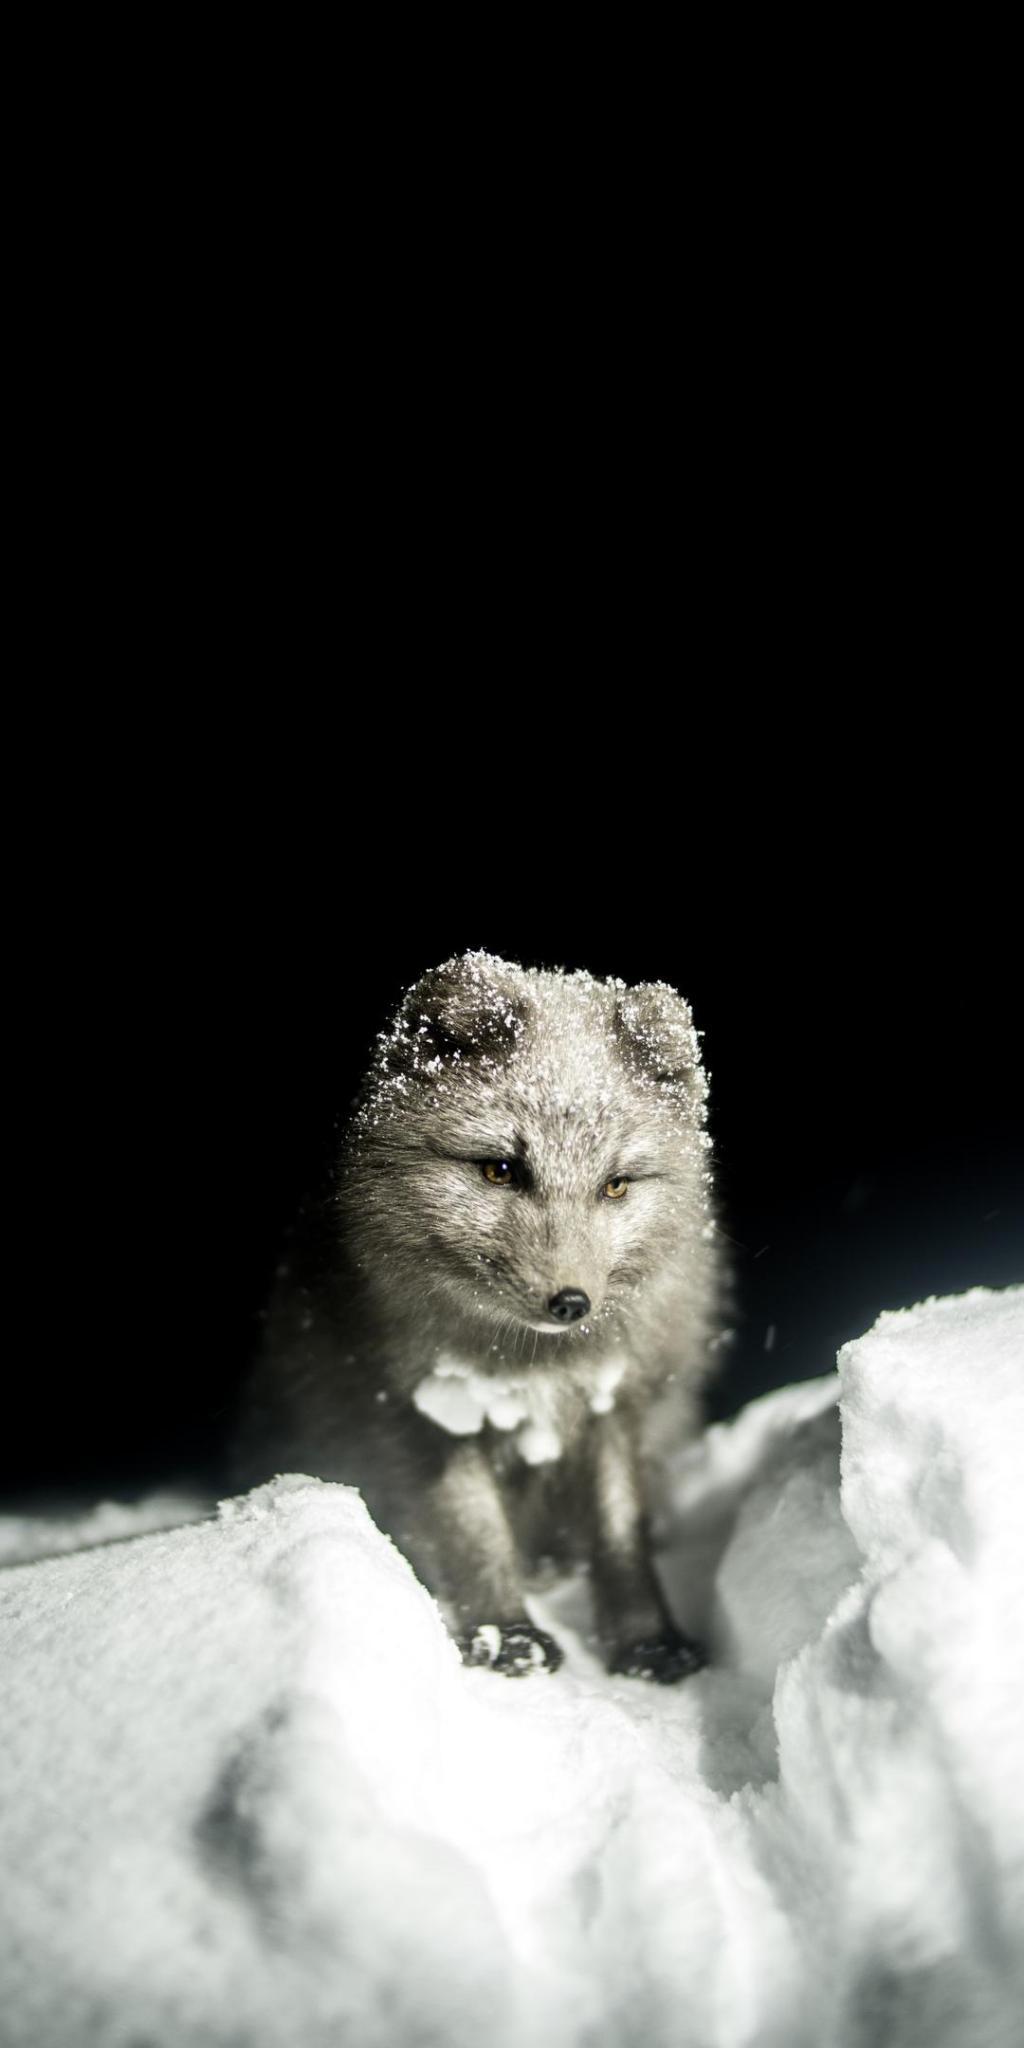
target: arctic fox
515 1255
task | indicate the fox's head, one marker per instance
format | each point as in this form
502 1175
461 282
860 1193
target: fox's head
529 1151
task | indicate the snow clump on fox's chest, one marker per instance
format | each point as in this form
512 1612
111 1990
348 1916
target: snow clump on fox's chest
527 1406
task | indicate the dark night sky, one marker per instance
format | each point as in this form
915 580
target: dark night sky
226 972
684 660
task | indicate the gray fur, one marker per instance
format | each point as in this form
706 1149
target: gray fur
414 1278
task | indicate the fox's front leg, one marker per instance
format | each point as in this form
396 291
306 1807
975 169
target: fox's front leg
634 1626
462 1546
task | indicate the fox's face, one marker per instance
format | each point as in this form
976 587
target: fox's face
529 1151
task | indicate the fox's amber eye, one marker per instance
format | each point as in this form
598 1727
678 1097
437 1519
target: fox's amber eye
616 1187
499 1172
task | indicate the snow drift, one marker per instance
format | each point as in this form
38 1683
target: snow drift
249 1795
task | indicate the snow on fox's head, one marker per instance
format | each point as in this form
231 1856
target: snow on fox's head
529 1147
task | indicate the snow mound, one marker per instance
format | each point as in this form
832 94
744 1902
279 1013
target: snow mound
249 1795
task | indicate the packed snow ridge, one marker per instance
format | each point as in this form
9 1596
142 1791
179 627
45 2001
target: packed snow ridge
251 1798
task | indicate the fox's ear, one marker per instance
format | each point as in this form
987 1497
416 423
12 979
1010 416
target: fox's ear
656 1033
473 1007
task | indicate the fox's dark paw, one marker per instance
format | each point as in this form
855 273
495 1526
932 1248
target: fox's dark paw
516 1648
667 1657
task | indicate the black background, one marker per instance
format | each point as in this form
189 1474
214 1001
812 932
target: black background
847 940
641 599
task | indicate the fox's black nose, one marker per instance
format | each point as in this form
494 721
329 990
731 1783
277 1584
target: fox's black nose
568 1305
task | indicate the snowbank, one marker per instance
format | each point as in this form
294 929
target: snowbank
250 1797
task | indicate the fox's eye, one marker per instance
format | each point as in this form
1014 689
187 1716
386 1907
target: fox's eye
615 1188
500 1172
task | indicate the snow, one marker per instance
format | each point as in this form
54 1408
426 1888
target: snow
249 1795
460 1401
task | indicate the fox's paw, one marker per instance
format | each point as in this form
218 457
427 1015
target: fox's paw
666 1657
516 1648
